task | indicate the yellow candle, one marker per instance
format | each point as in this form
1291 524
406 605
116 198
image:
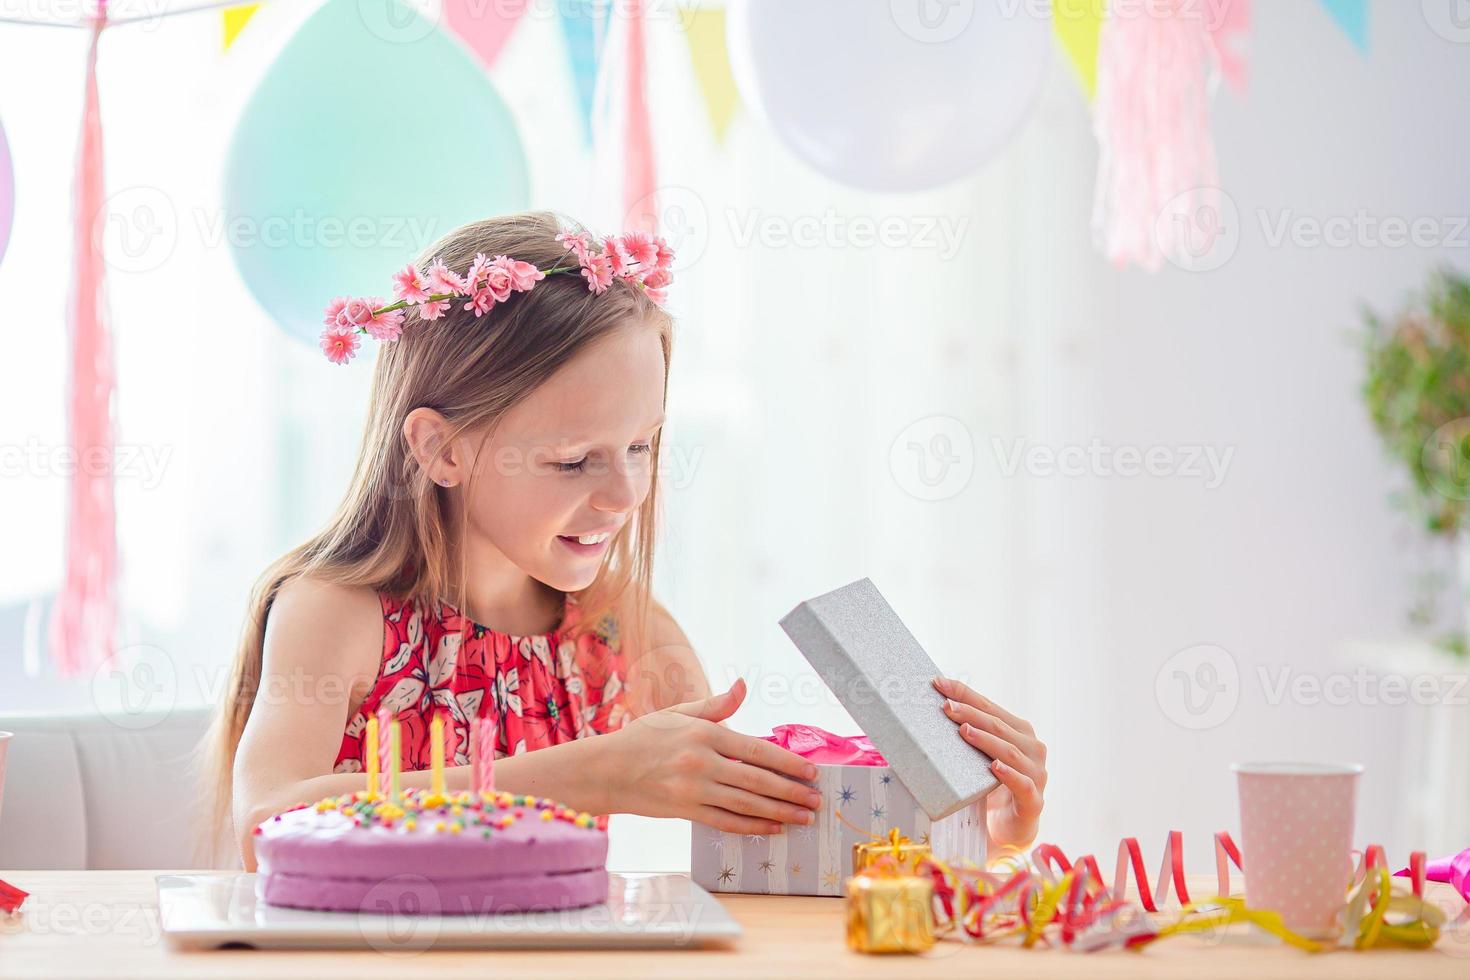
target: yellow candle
395 757
370 756
436 754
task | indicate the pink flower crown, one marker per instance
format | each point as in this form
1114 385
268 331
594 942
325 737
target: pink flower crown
639 258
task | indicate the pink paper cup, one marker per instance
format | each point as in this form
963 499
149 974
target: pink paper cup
1296 827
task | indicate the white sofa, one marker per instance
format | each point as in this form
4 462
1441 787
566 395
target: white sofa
85 792
82 791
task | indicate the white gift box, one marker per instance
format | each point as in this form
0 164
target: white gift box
933 788
816 859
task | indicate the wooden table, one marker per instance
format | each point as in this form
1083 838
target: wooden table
105 924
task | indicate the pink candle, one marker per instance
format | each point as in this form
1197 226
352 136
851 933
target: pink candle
385 750
482 755
474 755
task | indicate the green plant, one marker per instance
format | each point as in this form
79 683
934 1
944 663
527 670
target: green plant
1417 389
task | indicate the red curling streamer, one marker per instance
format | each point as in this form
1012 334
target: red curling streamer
1086 915
1374 857
1131 855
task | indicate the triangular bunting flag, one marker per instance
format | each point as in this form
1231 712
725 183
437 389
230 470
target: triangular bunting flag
235 19
1078 24
705 29
483 26
1352 17
584 26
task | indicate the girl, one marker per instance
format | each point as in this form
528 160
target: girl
492 556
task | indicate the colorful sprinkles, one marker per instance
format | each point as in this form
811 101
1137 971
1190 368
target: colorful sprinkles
451 813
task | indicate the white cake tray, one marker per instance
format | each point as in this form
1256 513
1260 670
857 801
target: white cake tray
642 910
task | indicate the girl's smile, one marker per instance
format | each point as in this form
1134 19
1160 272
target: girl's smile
589 545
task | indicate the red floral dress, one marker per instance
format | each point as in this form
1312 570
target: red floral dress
542 690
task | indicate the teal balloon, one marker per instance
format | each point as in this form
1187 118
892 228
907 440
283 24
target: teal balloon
370 136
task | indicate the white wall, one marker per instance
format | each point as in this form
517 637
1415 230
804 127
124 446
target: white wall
1298 552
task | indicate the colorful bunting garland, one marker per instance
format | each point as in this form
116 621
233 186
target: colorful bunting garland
483 26
584 29
704 27
1078 26
234 19
1352 17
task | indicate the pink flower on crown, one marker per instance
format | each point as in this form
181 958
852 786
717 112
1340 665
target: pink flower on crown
385 324
523 275
334 308
442 280
339 345
482 301
598 273
658 278
476 275
639 247
665 258
500 279
354 313
576 241
617 261
409 285
657 295
433 310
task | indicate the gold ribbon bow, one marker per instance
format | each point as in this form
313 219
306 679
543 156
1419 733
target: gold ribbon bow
906 854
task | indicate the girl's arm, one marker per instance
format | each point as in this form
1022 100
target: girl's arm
663 669
321 655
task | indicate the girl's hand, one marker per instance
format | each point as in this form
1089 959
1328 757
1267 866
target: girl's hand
1014 807
680 762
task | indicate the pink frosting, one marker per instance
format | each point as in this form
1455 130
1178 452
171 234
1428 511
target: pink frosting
822 747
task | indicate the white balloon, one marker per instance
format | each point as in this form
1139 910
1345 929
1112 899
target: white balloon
891 94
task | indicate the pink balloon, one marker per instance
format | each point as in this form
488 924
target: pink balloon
7 193
484 26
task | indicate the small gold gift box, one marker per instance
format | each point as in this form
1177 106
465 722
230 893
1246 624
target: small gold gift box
906 854
890 914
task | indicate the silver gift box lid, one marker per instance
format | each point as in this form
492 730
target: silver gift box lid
857 644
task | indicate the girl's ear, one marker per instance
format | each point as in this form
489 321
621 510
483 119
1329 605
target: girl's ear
427 434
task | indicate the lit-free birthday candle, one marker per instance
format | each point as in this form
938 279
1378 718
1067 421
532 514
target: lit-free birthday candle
436 754
482 755
370 755
395 753
474 755
386 752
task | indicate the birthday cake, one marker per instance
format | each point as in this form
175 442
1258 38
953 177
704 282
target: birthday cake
428 852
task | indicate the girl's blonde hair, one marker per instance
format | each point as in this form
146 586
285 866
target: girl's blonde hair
391 531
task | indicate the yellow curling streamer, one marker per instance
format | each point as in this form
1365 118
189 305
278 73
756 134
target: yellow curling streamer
1419 930
1012 898
1046 908
1232 910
